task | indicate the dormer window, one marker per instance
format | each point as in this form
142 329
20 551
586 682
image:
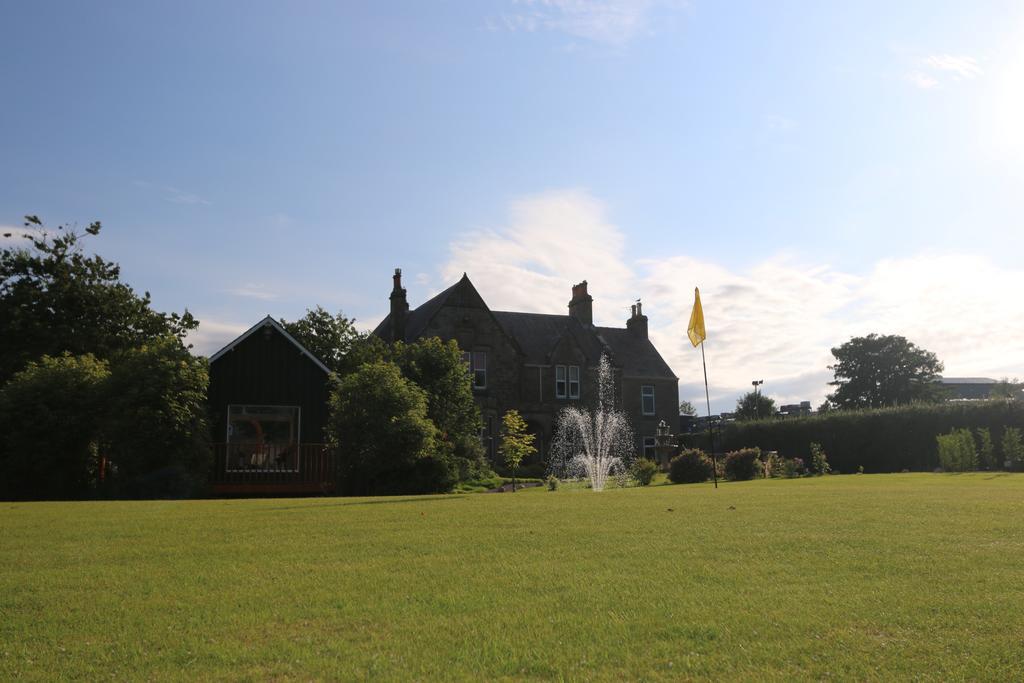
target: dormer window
574 381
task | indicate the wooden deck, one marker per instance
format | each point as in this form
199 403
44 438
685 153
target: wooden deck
309 471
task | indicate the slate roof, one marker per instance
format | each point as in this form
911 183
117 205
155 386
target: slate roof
419 316
636 355
537 334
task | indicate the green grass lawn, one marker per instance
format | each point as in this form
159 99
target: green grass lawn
850 577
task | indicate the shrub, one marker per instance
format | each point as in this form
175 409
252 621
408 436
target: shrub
792 467
643 471
552 482
986 449
742 464
690 467
819 461
956 451
772 464
1013 448
49 428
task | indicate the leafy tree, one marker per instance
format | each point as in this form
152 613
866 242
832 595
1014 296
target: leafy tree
54 298
50 415
883 370
385 441
754 405
155 426
686 408
331 338
516 442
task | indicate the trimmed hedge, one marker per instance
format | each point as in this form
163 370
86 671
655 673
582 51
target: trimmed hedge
880 440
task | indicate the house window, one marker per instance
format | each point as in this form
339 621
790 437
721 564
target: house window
574 381
649 451
263 438
647 399
560 388
479 369
476 366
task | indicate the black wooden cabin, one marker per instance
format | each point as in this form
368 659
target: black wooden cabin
268 409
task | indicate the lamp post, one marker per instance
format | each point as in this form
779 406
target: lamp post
757 406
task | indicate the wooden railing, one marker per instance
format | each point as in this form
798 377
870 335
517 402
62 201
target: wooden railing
309 468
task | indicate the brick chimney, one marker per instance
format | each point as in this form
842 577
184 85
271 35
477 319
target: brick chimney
581 306
637 323
399 308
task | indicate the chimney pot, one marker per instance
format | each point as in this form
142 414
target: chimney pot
581 306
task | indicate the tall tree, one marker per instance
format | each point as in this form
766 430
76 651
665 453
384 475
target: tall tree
754 405
331 338
883 370
55 298
686 408
386 443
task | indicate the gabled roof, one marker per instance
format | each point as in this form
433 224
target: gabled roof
635 354
462 293
270 322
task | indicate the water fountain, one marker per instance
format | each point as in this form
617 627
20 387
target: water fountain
594 443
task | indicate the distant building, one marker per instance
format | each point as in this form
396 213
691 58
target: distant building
539 363
795 409
967 388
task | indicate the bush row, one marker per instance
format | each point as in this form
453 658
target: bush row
881 440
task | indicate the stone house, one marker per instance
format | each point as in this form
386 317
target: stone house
540 363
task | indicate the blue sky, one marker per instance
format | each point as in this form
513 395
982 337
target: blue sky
820 170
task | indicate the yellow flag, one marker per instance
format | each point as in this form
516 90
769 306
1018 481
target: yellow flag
696 331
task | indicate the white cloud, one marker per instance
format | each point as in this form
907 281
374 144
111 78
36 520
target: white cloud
960 65
609 22
776 321
932 71
213 335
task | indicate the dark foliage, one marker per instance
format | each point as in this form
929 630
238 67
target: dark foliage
155 430
50 414
331 338
690 467
754 406
743 464
883 370
386 443
55 299
882 440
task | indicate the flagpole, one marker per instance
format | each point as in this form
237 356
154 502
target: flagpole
711 434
